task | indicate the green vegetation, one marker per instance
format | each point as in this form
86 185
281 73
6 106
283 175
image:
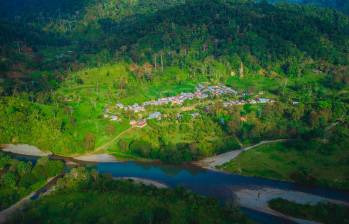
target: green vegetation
327 213
341 5
86 197
18 178
64 68
66 64
180 141
70 35
308 162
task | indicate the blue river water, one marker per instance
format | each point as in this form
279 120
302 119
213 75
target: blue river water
210 183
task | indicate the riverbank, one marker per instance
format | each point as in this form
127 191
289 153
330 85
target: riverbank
96 158
221 159
258 199
322 212
202 181
29 150
24 149
6 214
271 159
146 182
207 163
306 162
86 196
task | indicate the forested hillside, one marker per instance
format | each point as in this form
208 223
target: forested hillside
60 36
340 5
65 63
252 87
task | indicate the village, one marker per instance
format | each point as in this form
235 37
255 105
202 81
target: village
202 92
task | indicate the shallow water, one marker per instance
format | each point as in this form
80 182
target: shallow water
210 183
207 182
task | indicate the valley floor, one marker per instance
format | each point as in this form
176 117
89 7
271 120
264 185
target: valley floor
252 199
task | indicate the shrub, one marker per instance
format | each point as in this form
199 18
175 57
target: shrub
123 145
141 148
89 141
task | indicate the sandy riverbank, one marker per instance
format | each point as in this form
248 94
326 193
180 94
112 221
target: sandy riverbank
23 149
257 199
143 181
29 150
96 158
218 160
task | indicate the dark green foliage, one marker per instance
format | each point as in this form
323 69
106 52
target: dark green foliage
85 197
123 145
290 52
18 178
34 123
285 38
322 212
31 8
177 153
310 162
141 148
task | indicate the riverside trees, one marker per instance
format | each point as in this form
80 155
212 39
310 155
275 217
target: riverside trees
19 178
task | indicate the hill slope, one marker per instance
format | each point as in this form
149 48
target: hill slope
341 5
284 38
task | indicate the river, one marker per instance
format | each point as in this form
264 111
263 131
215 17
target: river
219 185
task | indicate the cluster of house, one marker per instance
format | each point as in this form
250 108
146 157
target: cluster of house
110 116
215 90
139 124
143 122
201 92
251 101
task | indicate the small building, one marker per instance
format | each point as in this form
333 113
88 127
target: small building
155 115
133 123
179 116
263 100
139 124
176 101
114 118
119 105
243 119
195 114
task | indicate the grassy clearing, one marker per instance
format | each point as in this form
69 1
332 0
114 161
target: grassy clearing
253 82
89 91
309 163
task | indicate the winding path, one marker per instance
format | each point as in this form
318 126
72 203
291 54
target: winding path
218 160
112 140
97 155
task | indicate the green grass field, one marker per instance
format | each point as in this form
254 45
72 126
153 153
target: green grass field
89 91
310 164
